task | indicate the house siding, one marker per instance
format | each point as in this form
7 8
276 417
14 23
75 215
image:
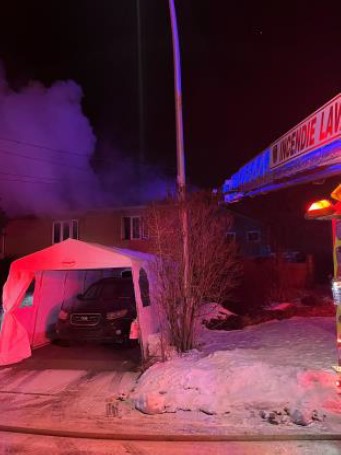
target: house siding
27 235
30 234
242 225
106 228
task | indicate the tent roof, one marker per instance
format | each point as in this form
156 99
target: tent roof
75 254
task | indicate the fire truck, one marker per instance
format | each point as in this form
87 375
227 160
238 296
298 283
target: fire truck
309 152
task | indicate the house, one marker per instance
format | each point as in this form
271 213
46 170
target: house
122 227
250 235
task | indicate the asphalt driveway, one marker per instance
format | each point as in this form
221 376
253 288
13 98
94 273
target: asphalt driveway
67 382
82 356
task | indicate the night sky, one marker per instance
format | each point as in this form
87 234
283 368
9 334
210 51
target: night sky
251 71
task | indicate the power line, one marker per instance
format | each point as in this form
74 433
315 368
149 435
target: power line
41 182
52 149
5 152
39 159
27 181
40 146
37 179
30 176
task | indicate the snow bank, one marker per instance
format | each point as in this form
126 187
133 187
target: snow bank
221 381
243 375
210 311
159 346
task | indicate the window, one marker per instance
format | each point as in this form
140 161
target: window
92 292
126 228
231 236
63 230
136 227
27 301
253 236
133 228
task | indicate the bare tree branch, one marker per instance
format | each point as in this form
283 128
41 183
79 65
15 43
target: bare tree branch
214 269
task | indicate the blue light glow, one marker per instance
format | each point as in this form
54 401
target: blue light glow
256 176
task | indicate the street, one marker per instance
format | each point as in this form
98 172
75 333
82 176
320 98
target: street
40 445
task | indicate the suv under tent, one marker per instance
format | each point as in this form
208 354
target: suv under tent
23 326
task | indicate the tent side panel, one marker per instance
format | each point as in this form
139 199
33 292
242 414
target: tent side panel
51 297
14 340
26 312
147 315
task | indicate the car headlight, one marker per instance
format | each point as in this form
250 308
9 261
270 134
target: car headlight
116 314
63 315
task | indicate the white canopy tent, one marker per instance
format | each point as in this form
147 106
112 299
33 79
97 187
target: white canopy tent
24 327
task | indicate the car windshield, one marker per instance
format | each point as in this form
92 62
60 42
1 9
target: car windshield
109 290
92 292
117 290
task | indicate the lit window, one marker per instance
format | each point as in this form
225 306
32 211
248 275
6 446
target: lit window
253 236
132 228
63 230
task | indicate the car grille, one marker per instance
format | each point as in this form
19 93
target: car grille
85 319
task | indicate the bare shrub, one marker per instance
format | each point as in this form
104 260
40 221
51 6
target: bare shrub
212 270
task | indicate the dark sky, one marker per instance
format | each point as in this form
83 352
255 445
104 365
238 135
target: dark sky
251 70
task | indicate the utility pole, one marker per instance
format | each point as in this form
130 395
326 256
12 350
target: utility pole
140 76
181 174
180 153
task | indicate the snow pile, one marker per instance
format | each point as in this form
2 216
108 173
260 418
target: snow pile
234 372
221 381
281 306
159 346
210 311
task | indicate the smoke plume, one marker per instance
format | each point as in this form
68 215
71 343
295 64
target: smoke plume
46 147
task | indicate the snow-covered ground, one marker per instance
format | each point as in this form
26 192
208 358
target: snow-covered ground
267 378
278 372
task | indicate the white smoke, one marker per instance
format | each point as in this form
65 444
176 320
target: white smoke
46 146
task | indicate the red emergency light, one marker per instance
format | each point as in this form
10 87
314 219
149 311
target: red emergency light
320 210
